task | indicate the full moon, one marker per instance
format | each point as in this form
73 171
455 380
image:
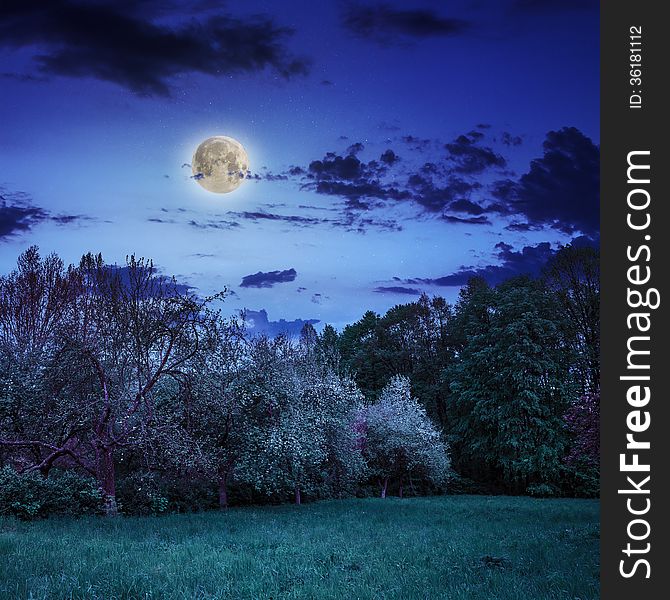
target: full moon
220 164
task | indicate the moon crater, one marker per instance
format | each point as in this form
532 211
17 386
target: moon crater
220 164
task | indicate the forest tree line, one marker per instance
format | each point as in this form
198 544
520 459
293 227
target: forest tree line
122 392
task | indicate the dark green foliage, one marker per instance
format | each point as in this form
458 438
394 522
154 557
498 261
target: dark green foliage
448 547
510 386
31 496
141 494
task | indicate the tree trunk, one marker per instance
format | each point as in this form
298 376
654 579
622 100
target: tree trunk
385 486
400 489
298 499
107 479
223 491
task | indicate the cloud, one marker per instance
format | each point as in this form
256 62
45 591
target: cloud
18 217
63 219
111 42
257 324
389 157
471 159
435 196
482 220
269 279
466 206
510 140
529 260
385 24
562 189
559 191
397 290
211 224
293 219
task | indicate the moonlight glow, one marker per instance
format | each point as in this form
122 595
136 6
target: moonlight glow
220 164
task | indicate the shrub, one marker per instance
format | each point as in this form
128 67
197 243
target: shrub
31 496
541 490
141 494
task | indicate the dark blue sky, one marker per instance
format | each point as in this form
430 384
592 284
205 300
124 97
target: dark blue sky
394 147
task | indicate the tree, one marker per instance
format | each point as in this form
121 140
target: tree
39 426
574 277
400 440
510 385
202 422
105 338
300 436
135 329
582 420
410 339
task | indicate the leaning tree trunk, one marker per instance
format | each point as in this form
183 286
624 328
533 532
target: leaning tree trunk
298 499
107 479
384 486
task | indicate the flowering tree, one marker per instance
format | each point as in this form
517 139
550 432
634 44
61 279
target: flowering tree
400 439
300 437
103 340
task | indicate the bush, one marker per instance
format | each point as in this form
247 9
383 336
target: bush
32 496
141 494
542 490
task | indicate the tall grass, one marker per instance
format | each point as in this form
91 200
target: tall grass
450 547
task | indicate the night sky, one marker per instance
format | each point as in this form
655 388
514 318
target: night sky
395 148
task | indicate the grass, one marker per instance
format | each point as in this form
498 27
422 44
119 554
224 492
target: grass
449 547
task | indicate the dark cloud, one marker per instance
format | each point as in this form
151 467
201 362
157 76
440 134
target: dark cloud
351 178
471 159
69 219
112 42
18 217
213 224
510 140
416 143
528 261
386 24
333 167
436 197
561 189
269 279
518 226
294 219
466 206
482 220
389 157
257 323
397 290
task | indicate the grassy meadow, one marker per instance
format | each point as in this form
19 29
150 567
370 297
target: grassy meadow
449 547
